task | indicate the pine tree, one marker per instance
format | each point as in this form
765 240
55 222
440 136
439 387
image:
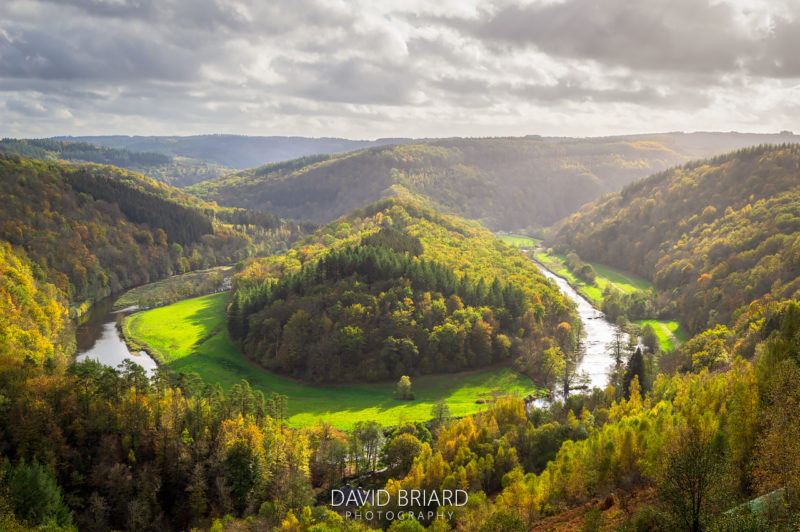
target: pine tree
635 368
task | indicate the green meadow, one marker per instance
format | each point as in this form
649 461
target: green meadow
670 334
190 336
518 241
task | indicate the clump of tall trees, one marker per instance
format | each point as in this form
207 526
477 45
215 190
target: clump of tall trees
395 289
368 312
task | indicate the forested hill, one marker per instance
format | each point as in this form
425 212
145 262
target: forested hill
171 169
92 230
713 235
397 289
234 151
506 183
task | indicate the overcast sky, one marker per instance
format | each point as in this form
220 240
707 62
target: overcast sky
415 68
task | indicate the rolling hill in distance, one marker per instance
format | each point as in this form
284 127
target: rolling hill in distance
505 183
233 151
93 230
171 169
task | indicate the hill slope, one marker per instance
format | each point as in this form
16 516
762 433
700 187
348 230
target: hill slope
713 235
396 289
234 151
92 230
506 183
174 170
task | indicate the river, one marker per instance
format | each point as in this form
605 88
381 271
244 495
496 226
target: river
596 362
99 339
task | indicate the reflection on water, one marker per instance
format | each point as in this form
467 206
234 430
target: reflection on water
599 333
99 339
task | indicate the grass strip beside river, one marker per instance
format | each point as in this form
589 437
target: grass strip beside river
191 336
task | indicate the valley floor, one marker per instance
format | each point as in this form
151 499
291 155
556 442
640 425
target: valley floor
670 333
191 336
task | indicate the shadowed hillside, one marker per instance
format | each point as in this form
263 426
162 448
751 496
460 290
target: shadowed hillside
506 183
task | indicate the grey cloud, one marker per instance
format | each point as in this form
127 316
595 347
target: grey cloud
781 57
113 8
681 35
26 108
351 80
248 17
569 90
213 65
79 53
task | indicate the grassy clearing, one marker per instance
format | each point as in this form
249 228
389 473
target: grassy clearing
622 281
518 241
670 334
190 336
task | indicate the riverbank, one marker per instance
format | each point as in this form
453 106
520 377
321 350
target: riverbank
599 333
177 287
669 332
191 336
606 276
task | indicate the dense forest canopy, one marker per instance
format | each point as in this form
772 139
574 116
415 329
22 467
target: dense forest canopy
94 230
174 170
505 183
395 289
712 235
91 447
81 151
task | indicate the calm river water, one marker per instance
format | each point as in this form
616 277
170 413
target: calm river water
599 333
98 338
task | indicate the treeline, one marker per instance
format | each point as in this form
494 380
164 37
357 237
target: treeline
580 269
701 444
103 448
244 217
175 171
181 224
712 236
370 313
32 311
81 151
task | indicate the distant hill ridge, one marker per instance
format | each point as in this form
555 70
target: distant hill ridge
234 151
506 183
